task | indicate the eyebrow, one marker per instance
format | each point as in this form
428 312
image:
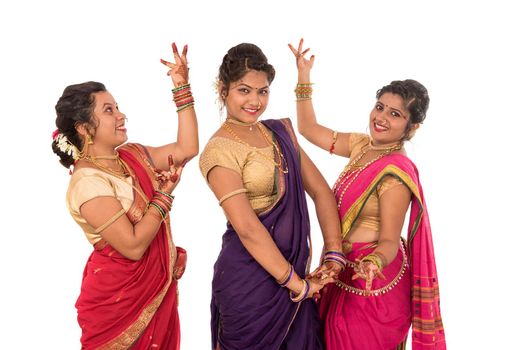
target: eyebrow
263 87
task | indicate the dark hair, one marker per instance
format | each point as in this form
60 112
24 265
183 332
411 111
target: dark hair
75 107
241 59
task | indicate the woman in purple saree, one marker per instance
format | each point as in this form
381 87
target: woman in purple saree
259 174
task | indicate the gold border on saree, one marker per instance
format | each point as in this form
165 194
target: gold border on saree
380 291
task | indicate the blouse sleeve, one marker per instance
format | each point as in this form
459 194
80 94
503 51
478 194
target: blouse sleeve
218 153
388 183
356 142
89 187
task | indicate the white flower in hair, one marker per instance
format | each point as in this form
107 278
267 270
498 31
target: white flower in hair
66 146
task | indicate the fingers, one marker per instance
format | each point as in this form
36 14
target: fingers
175 49
184 51
168 64
295 52
300 45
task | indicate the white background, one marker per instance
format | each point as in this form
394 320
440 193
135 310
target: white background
468 55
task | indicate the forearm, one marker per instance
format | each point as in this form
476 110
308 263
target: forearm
387 249
187 135
260 245
328 219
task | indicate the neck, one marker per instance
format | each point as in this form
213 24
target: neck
386 146
238 122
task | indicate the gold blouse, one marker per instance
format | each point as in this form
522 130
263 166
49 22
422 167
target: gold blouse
256 171
369 217
89 183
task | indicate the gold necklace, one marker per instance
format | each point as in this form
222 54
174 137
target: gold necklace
356 172
271 159
111 157
122 173
241 123
378 148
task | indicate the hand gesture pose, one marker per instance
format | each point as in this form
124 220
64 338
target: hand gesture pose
168 180
303 64
179 71
367 270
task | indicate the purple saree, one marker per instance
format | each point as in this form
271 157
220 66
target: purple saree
249 310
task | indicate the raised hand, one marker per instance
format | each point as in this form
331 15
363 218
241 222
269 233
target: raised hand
168 180
302 62
179 70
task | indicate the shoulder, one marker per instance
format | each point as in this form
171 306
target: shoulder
225 152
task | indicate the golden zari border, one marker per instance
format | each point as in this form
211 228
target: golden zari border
355 209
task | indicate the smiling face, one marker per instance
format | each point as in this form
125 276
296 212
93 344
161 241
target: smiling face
388 120
247 98
110 131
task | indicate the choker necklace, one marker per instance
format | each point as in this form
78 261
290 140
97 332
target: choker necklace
238 122
383 148
111 157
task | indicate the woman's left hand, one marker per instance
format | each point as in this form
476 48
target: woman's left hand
367 271
303 64
179 72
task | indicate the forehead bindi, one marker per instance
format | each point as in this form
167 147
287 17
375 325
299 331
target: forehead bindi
393 101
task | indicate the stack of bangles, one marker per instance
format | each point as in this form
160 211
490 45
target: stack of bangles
374 258
284 282
336 257
183 97
162 202
304 92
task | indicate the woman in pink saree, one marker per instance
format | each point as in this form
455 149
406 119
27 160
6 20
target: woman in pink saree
120 195
389 284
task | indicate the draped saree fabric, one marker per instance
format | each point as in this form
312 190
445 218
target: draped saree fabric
249 310
127 304
410 293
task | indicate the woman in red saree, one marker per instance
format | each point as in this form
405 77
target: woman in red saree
120 195
389 284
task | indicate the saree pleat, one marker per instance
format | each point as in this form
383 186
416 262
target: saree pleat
249 309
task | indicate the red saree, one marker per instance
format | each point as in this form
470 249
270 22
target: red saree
410 293
127 304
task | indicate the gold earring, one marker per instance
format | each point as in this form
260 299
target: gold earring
89 139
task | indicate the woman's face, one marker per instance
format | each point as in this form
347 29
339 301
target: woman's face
388 120
110 130
248 97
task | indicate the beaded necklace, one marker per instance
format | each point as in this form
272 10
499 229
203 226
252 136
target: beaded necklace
281 160
357 169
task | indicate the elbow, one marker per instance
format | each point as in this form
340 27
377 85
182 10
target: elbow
134 254
245 230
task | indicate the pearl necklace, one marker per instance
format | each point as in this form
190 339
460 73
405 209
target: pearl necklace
348 172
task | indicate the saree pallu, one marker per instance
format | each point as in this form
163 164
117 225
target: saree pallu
249 310
127 304
381 320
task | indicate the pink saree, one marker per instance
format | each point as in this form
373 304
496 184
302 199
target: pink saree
127 304
410 294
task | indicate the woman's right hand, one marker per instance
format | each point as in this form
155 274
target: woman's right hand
168 180
316 284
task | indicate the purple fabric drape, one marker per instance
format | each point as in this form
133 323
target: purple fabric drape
249 310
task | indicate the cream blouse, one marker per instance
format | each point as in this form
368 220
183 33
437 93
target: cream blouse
89 183
256 170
